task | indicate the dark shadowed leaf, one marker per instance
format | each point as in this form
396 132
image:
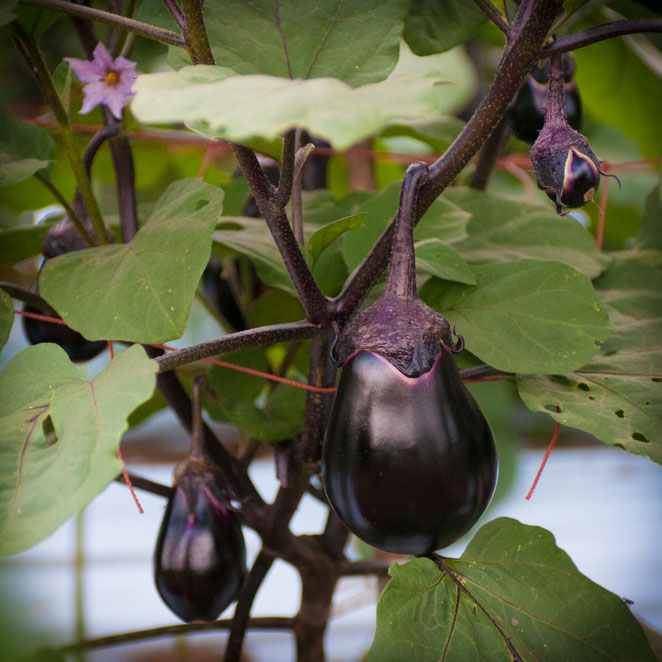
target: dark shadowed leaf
6 317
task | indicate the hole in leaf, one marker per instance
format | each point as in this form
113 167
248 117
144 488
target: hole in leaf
610 352
551 408
656 379
559 379
590 397
583 386
620 413
200 204
48 431
637 436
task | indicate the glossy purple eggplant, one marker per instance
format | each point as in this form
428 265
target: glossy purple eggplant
409 463
200 555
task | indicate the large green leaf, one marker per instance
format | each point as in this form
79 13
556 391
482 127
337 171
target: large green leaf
6 317
502 229
512 595
444 220
221 105
526 316
24 149
650 231
140 291
44 480
353 40
437 25
617 395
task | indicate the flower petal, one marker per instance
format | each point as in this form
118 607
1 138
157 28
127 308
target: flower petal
115 100
94 95
102 57
87 72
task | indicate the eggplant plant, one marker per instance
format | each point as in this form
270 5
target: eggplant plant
246 173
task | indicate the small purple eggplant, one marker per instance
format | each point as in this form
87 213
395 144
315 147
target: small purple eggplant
409 461
200 556
564 163
526 116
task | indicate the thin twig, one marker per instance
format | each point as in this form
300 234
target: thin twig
130 24
176 13
264 623
145 484
493 14
598 33
242 611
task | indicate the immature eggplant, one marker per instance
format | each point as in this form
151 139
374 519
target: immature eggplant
564 163
200 557
409 461
73 343
200 554
62 238
526 115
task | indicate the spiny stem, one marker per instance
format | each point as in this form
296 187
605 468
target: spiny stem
555 111
143 29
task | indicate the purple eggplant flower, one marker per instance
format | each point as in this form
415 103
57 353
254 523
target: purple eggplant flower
108 81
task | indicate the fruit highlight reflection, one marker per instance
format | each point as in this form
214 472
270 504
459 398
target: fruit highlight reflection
409 461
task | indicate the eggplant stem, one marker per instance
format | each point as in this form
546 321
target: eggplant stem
401 281
197 437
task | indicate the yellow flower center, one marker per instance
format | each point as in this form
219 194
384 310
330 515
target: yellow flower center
112 78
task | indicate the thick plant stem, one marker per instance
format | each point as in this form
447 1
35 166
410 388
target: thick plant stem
196 34
31 53
312 299
527 35
555 110
261 336
143 29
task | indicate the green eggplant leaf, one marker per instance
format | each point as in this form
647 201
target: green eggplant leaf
503 229
49 476
352 40
140 291
222 105
526 316
440 260
617 395
327 234
512 595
